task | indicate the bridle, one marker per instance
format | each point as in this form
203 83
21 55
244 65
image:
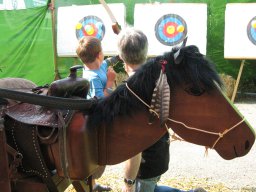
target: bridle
219 134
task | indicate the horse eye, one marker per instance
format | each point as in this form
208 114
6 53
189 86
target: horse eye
195 91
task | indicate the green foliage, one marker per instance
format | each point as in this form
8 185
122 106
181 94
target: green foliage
26 45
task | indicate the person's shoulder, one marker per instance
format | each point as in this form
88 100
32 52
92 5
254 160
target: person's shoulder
104 64
90 74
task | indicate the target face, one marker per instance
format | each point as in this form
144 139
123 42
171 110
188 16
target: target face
170 29
90 26
251 30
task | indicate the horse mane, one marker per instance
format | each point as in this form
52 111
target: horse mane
195 69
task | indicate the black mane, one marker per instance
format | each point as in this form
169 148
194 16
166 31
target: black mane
194 69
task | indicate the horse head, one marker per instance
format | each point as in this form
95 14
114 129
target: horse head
210 118
199 112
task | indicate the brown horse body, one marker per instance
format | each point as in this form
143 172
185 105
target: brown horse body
118 127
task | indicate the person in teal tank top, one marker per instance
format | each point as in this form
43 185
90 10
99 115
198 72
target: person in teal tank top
96 69
101 78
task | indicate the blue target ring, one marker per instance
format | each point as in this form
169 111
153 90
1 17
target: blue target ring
90 26
170 29
251 30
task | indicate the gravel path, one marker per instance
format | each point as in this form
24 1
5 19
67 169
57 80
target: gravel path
188 161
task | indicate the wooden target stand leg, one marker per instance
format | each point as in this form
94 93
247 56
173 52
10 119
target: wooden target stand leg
237 81
5 184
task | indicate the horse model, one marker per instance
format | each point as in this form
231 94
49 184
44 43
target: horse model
72 137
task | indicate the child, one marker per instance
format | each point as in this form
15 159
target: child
101 78
96 70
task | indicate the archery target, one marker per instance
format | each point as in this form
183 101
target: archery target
74 22
90 26
240 31
171 29
171 23
251 30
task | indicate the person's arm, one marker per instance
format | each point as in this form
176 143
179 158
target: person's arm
111 76
131 168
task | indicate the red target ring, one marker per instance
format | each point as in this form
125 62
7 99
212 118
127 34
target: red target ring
170 29
88 33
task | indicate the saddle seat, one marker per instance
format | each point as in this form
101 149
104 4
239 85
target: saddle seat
42 116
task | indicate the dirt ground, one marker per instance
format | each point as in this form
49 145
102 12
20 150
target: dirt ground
189 167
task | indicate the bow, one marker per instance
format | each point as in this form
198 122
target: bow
115 26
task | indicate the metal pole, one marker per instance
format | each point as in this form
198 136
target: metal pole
56 71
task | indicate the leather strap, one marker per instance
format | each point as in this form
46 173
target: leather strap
4 177
17 159
62 125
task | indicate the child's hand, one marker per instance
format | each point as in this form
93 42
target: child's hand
111 74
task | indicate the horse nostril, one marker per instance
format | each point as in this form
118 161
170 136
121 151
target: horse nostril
247 145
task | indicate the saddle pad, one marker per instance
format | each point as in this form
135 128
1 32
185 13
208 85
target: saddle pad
33 115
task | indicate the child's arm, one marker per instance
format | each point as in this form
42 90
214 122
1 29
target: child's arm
111 75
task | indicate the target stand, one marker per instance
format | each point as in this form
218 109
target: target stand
75 22
170 24
240 35
237 80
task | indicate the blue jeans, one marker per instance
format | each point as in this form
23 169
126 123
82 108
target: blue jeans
150 185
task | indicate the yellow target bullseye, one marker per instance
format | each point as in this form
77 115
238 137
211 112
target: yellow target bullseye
253 24
170 29
89 29
180 28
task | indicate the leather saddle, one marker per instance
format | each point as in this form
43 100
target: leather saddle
63 140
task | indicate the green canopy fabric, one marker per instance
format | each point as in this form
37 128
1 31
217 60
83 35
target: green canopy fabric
26 44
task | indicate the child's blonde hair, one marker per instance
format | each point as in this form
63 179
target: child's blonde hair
88 49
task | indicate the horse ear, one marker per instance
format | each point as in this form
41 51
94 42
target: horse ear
178 55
